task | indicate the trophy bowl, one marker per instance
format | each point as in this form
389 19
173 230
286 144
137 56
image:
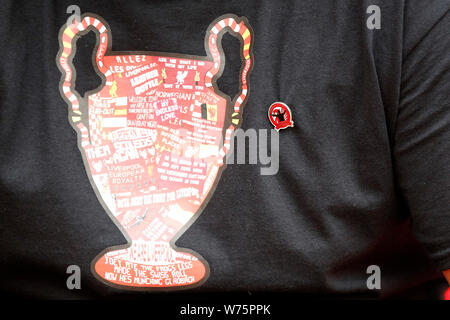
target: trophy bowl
153 138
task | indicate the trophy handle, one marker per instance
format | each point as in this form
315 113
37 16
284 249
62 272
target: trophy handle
68 36
240 28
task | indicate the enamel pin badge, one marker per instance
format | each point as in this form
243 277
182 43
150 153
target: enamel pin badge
280 116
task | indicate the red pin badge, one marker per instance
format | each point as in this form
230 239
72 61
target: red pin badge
280 115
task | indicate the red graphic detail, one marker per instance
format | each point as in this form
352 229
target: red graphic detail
280 115
153 140
447 294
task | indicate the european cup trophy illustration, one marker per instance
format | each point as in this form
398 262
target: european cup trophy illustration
154 138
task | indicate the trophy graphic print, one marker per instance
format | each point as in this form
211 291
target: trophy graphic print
153 139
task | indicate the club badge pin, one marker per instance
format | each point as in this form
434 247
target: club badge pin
280 116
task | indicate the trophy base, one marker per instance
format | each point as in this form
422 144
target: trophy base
116 269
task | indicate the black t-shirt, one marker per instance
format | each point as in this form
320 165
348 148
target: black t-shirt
364 174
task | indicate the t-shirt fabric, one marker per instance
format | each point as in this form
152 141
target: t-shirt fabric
364 174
